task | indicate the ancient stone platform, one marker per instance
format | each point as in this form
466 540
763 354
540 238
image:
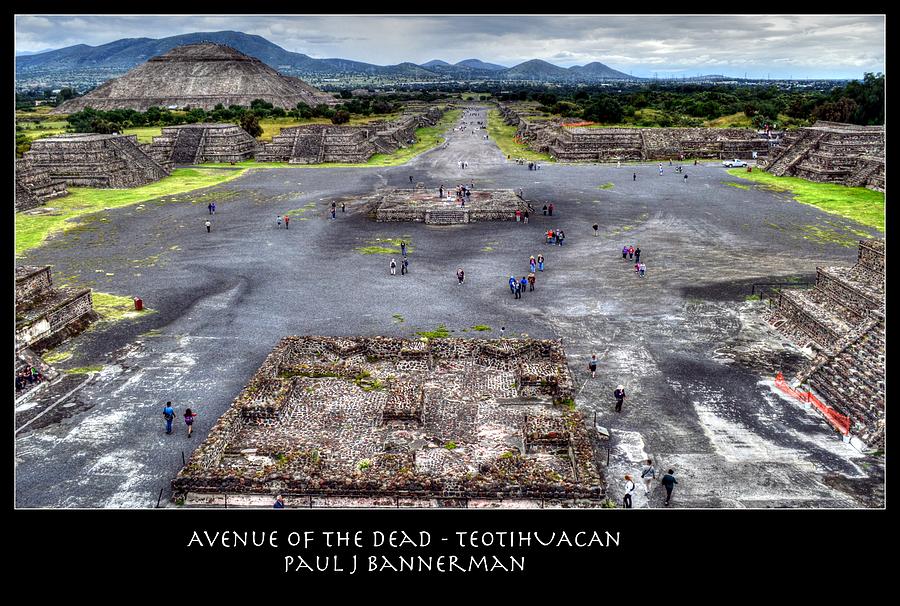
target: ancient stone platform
93 160
45 314
426 206
385 422
35 186
198 75
832 152
199 143
843 319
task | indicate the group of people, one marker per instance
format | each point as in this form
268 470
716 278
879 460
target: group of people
556 236
462 164
285 218
404 261
521 216
28 376
534 166
169 416
630 252
548 209
648 474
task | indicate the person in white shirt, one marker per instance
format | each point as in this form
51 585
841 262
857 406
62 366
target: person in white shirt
648 474
629 490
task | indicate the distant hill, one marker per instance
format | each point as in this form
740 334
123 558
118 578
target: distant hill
98 64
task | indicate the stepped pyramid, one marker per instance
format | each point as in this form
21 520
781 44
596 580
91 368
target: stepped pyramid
198 75
34 187
843 318
198 143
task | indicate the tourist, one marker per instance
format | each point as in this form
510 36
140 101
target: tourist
523 284
531 281
596 229
695 162
169 415
625 251
631 252
643 269
619 394
410 178
209 206
540 261
550 209
685 177
518 215
278 221
460 275
669 482
629 489
525 217
287 222
512 284
637 254
403 248
634 176
393 267
213 208
189 420
592 365
660 171
208 226
532 262
441 192
279 502
637 267
343 207
404 266
549 236
545 210
517 289
333 213
560 237
648 474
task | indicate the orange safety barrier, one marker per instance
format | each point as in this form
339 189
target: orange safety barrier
837 420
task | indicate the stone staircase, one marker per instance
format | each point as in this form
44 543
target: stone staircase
792 151
446 217
187 146
34 187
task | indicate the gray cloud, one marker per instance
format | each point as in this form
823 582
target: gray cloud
800 45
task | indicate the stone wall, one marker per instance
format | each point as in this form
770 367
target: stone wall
115 161
32 280
35 186
200 143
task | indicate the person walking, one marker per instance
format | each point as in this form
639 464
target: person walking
592 365
634 176
531 281
213 208
410 178
403 247
404 266
525 217
625 251
619 394
278 221
169 416
643 269
540 261
209 206
189 417
517 289
208 226
518 215
648 474
333 213
393 267
629 490
460 275
631 252
343 207
287 222
637 254
560 236
523 284
550 209
545 210
669 482
531 263
596 229
685 177
441 192
279 502
512 285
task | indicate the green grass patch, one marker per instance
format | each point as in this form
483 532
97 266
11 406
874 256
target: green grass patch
450 445
481 328
113 308
399 319
57 357
753 298
857 203
385 246
504 136
737 185
33 228
440 332
605 186
83 370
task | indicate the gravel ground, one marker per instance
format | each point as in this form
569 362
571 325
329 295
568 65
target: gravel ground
222 300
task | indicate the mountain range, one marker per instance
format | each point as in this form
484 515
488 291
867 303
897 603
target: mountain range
122 55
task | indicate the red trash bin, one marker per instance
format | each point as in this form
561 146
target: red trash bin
138 304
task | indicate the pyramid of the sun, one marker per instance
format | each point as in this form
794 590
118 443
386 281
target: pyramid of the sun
198 75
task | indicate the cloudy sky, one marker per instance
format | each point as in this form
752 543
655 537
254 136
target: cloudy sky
807 46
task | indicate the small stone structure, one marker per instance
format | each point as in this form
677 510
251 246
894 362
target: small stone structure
198 75
843 319
92 160
35 186
199 143
376 421
47 315
613 144
831 152
424 206
317 143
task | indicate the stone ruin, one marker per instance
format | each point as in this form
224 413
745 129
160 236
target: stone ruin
613 144
45 314
199 143
376 421
318 143
35 186
831 152
198 75
424 206
843 319
92 160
